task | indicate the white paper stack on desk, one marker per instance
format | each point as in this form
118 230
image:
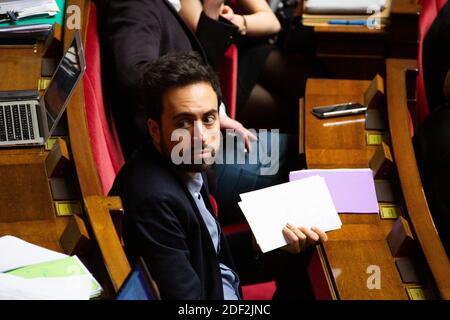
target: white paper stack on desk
346 12
343 6
31 272
305 202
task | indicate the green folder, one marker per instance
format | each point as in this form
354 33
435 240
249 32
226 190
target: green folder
59 18
65 267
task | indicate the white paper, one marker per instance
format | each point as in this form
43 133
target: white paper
29 8
23 5
95 290
305 202
344 6
16 253
57 288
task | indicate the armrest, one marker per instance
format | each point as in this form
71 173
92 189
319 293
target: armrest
419 213
98 211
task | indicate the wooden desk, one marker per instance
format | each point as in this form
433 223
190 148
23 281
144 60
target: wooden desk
340 143
357 52
361 242
26 204
416 202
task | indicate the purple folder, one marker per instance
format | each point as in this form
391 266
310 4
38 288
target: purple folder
352 190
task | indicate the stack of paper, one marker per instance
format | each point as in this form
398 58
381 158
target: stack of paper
29 8
24 267
351 12
16 253
305 202
57 288
343 6
352 190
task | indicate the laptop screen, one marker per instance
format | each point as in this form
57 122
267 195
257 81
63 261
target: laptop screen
138 285
69 71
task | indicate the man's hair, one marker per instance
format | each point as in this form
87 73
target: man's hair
173 71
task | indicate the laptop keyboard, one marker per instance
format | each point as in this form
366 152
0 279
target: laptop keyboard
15 122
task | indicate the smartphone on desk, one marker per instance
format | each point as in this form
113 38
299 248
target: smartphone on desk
339 110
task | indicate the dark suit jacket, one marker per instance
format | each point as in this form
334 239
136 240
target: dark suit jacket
432 148
163 225
134 32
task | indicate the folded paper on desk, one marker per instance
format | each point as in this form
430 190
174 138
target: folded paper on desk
352 190
58 288
305 202
22 259
344 6
16 253
65 267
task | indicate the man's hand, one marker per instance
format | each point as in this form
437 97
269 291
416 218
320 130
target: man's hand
227 123
212 8
300 238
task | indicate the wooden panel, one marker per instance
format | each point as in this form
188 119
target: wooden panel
405 7
26 206
20 69
43 233
361 242
24 192
341 142
355 232
350 260
80 142
419 213
107 238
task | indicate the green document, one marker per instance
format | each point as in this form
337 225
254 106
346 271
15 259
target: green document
65 267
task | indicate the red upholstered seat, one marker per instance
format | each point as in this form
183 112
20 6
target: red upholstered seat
429 11
259 291
104 139
227 72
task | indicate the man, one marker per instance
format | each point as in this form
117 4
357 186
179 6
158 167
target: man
168 217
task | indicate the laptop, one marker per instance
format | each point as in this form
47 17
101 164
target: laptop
139 284
29 120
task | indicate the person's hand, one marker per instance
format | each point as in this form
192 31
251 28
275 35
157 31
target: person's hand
212 8
235 19
227 13
300 238
227 123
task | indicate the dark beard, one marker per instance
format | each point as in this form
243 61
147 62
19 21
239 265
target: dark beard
199 167
192 166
